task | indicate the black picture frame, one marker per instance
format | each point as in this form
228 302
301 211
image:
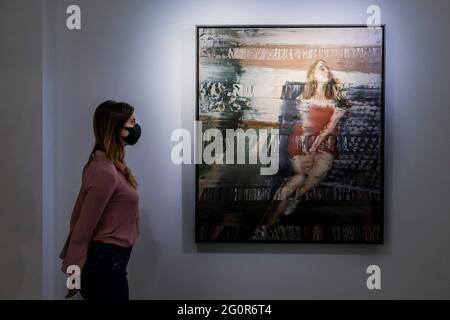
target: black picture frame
380 211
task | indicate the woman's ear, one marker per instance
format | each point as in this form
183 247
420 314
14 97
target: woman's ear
124 133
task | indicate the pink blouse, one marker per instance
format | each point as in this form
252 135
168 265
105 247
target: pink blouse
106 210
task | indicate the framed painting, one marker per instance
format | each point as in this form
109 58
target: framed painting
290 134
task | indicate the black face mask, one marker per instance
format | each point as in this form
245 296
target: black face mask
134 133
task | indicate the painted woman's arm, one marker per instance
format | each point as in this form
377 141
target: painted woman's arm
337 115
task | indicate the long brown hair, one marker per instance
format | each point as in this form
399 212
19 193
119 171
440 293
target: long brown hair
332 88
109 119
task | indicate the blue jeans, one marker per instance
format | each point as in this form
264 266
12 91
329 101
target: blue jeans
104 275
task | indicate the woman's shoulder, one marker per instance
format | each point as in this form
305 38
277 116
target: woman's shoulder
318 102
101 168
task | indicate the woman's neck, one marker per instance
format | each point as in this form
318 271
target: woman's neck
320 92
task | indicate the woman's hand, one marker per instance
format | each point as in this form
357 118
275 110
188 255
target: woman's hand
319 139
71 293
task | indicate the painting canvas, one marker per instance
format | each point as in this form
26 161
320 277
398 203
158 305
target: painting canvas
290 123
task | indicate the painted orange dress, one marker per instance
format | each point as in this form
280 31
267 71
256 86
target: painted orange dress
314 117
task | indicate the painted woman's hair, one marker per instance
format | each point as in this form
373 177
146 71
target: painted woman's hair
332 88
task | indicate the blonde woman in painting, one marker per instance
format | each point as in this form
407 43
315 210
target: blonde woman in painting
312 142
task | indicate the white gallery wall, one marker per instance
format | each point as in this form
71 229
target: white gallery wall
143 52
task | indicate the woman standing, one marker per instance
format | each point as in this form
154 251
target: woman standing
104 222
312 142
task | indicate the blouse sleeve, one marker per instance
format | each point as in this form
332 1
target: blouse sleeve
99 187
76 209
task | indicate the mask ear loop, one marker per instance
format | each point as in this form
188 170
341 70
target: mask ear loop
126 128
120 134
